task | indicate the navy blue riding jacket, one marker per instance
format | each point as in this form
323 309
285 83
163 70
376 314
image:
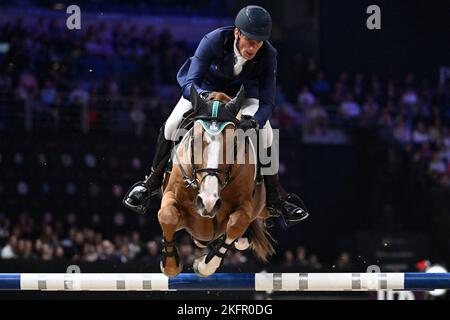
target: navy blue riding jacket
211 69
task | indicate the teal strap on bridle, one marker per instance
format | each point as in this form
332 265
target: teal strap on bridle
213 127
215 109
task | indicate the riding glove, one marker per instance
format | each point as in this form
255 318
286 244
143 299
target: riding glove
248 123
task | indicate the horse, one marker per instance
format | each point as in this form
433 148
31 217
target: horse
220 205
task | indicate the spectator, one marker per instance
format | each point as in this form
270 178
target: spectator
10 250
302 261
317 121
344 263
420 134
135 245
350 112
425 153
124 253
306 98
434 133
446 137
89 253
237 258
106 250
152 254
359 88
289 259
321 87
314 263
137 117
25 249
445 179
340 93
4 232
286 117
48 94
391 92
79 96
375 89
370 111
437 166
28 86
385 119
349 108
410 98
401 132
47 252
186 253
59 253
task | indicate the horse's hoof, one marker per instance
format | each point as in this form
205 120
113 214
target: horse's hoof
242 244
171 272
196 265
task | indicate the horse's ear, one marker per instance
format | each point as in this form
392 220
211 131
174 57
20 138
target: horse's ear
195 97
198 103
235 104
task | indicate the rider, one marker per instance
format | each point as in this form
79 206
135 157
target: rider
226 58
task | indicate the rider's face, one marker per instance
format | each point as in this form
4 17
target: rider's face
247 47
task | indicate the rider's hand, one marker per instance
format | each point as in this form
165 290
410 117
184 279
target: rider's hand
248 123
208 95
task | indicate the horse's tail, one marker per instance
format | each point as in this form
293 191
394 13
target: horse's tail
260 240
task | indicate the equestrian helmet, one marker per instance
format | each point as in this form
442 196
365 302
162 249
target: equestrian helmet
254 22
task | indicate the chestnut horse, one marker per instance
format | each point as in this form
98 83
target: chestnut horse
218 203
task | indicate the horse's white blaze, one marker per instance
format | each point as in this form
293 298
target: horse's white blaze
210 191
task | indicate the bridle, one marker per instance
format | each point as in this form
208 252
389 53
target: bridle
194 183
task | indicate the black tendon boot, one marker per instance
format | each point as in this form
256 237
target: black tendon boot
137 198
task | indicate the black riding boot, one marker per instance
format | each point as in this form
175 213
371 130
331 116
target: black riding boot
281 203
289 206
137 198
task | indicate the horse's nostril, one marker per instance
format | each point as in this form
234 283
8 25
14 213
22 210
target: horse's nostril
218 204
199 202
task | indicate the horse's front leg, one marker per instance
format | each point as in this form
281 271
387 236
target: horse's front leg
169 219
238 223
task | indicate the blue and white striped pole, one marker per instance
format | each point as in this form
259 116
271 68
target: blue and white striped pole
225 281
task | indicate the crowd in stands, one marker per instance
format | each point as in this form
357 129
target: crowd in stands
416 111
182 8
123 68
107 67
53 238
52 53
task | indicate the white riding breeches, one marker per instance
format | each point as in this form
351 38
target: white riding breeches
249 108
